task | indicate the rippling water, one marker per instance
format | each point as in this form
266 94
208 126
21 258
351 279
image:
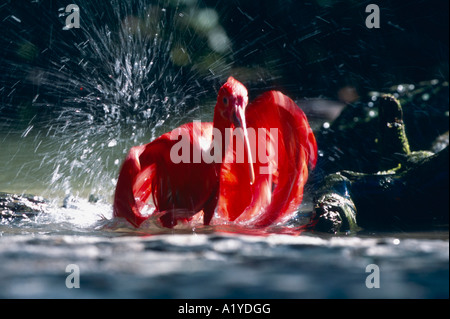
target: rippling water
116 261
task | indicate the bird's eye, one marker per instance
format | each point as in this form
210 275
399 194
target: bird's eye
225 101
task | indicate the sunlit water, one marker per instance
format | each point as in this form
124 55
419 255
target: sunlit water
114 89
214 264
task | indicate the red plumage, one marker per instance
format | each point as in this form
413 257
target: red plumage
258 195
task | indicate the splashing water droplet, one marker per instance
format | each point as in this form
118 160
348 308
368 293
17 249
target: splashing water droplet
112 143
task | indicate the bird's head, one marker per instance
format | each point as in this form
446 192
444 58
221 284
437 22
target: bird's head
232 101
230 108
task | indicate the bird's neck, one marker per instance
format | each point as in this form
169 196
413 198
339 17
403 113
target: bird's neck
221 128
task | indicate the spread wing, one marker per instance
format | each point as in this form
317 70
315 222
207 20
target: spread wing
150 184
283 147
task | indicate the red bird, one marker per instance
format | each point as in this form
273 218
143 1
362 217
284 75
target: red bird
247 167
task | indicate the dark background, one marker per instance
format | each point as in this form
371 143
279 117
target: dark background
307 49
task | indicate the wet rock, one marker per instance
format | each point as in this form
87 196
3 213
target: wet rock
392 138
352 141
440 143
411 199
409 190
337 211
13 206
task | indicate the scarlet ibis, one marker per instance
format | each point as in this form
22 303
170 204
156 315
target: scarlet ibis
255 181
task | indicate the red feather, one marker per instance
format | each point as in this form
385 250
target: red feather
274 196
282 146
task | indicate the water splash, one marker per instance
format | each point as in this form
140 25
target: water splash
129 72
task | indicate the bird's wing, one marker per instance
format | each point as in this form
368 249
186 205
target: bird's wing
142 177
282 150
124 198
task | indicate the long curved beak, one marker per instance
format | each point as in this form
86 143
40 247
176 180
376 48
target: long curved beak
239 121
